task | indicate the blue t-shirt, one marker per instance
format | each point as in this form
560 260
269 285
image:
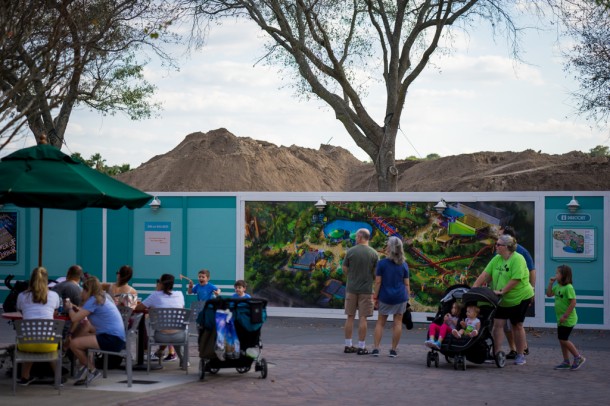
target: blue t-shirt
393 289
204 292
105 317
529 261
245 296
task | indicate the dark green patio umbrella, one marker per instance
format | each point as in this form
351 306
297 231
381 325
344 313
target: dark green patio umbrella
44 177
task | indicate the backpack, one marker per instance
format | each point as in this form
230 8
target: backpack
10 303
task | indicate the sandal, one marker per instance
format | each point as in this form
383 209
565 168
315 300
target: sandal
362 351
350 349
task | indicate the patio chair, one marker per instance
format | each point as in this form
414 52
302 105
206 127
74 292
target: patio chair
131 329
38 331
196 308
168 319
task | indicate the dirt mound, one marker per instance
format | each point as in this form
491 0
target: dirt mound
220 161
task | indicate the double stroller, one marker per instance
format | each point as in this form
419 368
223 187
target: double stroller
477 349
229 335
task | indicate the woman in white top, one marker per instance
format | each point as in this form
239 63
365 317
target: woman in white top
120 291
165 297
37 302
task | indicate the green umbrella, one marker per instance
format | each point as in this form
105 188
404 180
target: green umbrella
44 177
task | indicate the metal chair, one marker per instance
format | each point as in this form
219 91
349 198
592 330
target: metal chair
160 319
197 307
131 329
38 331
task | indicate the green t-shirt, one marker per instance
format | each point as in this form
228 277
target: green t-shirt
563 295
361 261
502 271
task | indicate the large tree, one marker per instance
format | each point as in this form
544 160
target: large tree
337 46
588 25
57 54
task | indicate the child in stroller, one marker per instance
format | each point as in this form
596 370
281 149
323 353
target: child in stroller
477 348
437 333
470 326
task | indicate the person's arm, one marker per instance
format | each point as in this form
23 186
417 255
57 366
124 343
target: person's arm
77 314
549 288
511 284
105 286
533 278
190 289
568 311
483 279
408 287
377 287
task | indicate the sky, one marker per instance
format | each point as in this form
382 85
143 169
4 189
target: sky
476 99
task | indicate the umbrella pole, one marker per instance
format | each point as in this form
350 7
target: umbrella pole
40 237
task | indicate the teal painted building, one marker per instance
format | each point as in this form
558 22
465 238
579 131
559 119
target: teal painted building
193 231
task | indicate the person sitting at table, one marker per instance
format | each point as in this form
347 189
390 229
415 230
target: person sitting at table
37 302
120 291
103 330
165 297
70 288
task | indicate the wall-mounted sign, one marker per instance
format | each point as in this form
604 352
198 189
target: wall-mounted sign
8 237
574 243
573 218
157 237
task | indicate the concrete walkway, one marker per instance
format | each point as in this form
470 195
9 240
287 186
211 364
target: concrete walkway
307 366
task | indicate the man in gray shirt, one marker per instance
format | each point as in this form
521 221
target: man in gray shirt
359 266
70 288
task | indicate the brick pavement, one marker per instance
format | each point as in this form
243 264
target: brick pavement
321 374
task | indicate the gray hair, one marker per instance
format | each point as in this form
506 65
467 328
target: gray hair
509 241
395 251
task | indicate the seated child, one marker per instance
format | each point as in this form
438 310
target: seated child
450 322
470 326
240 290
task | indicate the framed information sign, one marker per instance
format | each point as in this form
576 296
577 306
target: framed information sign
573 243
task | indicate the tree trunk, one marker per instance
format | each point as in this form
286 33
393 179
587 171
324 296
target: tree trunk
387 173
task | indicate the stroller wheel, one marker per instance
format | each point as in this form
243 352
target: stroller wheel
500 359
429 360
263 367
213 371
436 360
243 370
456 363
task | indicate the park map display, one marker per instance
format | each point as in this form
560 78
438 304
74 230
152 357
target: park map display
294 252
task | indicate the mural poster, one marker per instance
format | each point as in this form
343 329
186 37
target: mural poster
8 236
294 252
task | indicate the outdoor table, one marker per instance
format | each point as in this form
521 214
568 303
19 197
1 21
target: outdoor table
12 316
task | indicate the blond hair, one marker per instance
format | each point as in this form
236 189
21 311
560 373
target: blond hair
39 285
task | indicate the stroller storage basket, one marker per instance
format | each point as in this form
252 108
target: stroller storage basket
248 317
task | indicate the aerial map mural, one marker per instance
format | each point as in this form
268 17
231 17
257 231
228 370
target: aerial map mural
294 251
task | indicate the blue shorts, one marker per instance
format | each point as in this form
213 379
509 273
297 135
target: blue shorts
109 342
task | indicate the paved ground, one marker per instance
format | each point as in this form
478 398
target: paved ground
307 366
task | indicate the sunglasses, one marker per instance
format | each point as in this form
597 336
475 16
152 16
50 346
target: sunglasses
500 245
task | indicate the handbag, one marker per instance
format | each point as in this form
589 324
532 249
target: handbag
407 320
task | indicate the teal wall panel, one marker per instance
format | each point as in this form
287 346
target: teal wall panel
588 273
89 252
119 241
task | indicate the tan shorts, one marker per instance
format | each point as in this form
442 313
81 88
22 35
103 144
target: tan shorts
362 302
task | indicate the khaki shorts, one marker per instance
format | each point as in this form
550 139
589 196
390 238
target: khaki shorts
363 302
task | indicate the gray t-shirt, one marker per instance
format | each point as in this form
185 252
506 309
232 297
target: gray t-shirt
361 261
69 289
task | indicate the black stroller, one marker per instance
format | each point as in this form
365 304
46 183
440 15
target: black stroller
476 349
248 316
